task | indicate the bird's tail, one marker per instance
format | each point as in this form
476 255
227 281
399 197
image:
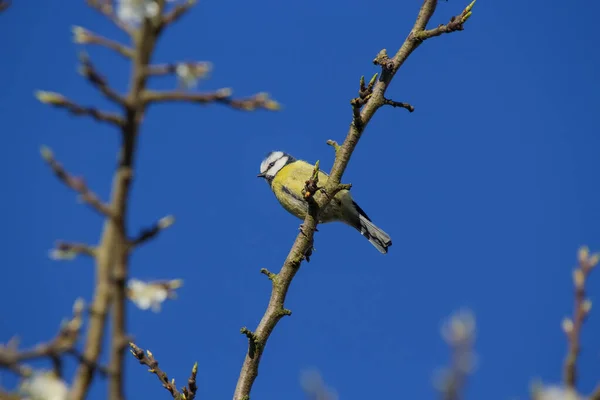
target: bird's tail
375 235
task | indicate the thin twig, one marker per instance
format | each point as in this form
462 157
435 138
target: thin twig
105 8
399 104
77 248
582 306
222 96
150 233
75 183
147 358
58 100
304 240
84 36
64 342
89 71
179 11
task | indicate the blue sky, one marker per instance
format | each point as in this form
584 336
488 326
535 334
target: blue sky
487 190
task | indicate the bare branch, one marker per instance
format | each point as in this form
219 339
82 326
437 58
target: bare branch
58 100
147 358
456 24
63 342
222 96
371 102
77 248
179 11
89 71
105 8
4 4
596 393
582 306
399 104
75 183
199 68
84 36
150 233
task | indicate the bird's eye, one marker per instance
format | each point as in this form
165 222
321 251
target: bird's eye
270 165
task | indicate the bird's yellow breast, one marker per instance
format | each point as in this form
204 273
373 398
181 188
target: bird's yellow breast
288 184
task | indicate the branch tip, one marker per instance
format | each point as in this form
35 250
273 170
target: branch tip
395 104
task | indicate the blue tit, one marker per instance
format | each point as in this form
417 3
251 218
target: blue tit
287 177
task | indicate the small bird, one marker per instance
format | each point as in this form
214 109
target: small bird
287 177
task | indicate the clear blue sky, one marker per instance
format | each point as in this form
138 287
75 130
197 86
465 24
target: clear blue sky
487 190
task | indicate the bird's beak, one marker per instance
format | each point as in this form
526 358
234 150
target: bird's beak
262 175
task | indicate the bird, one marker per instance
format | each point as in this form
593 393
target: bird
287 177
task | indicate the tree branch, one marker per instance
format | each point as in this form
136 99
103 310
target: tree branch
222 96
582 306
200 68
64 342
84 36
58 100
150 233
4 4
179 11
89 71
77 248
105 8
304 240
75 183
147 358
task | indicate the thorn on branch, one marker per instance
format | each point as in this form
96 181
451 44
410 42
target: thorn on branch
334 144
58 100
456 24
383 60
150 233
272 276
89 71
398 104
253 341
75 183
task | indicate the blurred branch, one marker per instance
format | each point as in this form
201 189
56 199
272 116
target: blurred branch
105 8
77 248
147 358
222 96
572 326
150 233
89 71
4 4
84 36
596 393
371 101
75 183
179 11
459 333
64 342
199 67
58 100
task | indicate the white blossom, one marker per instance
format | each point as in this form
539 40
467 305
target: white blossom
133 12
189 73
147 295
61 255
44 385
553 392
